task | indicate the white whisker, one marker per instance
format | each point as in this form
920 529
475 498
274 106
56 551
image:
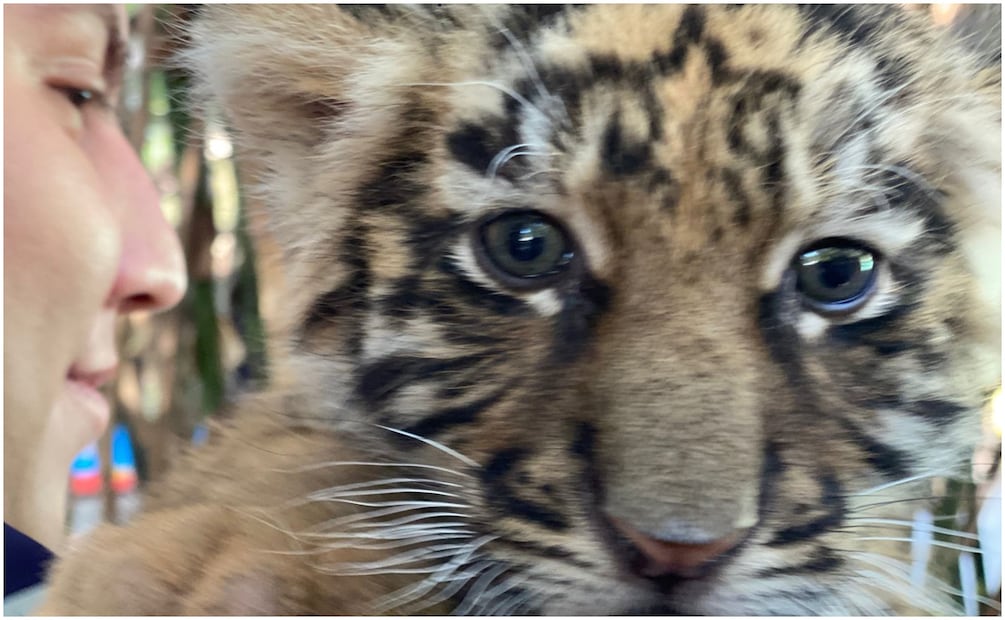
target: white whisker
422 516
399 543
410 505
435 444
454 586
397 534
521 52
895 483
934 543
477 591
406 595
890 565
325 495
387 481
882 99
531 175
514 604
867 521
886 583
503 89
378 546
394 508
317 466
294 536
505 155
429 552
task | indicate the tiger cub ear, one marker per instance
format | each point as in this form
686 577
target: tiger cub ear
283 74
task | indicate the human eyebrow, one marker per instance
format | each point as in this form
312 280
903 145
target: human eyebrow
115 50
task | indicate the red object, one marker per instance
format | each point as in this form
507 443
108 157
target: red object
123 480
84 485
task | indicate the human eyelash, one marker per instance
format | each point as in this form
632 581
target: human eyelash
81 97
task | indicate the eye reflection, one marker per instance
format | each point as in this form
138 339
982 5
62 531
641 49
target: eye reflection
525 248
836 276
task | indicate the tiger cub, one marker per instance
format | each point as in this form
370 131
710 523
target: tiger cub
599 310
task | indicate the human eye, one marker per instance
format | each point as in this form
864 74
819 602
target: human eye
83 97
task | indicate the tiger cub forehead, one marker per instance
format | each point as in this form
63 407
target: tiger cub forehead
703 127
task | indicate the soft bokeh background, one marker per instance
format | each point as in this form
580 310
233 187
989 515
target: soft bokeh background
181 368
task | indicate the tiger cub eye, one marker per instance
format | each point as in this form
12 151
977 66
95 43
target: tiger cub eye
525 249
836 275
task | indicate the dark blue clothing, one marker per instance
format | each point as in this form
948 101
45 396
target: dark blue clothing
24 561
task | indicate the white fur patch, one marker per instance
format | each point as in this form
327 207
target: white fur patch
811 326
546 302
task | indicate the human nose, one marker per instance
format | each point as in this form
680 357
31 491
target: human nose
151 273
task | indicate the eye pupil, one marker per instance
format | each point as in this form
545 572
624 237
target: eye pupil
837 275
524 249
80 97
839 272
525 243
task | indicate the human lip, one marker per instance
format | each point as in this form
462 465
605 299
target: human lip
83 391
93 378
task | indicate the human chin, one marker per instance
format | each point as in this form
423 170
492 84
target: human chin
81 409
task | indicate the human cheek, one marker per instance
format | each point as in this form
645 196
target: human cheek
59 243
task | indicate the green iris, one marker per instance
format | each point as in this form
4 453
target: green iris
836 275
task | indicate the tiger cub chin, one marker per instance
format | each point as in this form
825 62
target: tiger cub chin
597 310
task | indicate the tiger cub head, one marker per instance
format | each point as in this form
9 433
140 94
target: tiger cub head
686 302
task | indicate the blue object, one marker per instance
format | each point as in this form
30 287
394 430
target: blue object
122 448
88 461
24 561
200 434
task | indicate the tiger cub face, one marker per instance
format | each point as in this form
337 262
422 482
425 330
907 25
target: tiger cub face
678 299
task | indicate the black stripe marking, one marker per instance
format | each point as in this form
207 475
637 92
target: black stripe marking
427 236
379 380
734 187
691 26
581 310
350 298
939 412
548 551
620 157
397 178
525 20
859 331
832 500
777 313
368 12
454 416
406 298
476 146
470 146
893 73
502 463
904 192
395 183
822 560
689 31
584 444
325 309
891 462
495 474
479 296
857 25
774 177
716 56
772 469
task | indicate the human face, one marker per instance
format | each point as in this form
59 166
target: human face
84 242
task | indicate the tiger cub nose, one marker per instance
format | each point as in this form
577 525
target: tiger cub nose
670 558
